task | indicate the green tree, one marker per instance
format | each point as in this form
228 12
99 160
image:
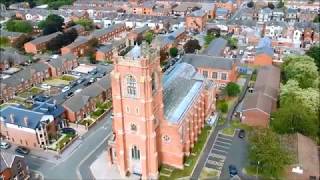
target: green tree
301 68
317 19
233 42
250 4
191 46
18 26
267 154
86 23
232 89
314 52
208 38
4 41
173 52
223 106
19 43
51 24
280 4
148 37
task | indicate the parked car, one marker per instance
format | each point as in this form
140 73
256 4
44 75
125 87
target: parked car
87 83
65 89
92 80
93 72
69 95
77 91
241 134
73 84
45 86
67 130
4 145
22 150
233 170
80 80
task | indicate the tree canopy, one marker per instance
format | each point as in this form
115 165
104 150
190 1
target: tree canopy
250 4
267 154
271 5
18 26
280 4
233 42
148 37
4 41
62 40
19 43
314 52
86 23
232 89
191 46
173 52
51 24
317 19
301 68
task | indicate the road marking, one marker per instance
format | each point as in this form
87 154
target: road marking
84 159
225 139
215 163
224 147
219 150
218 156
229 144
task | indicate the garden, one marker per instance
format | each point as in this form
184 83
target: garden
63 80
30 92
63 140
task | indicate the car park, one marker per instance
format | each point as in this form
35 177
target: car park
4 145
233 170
241 134
22 150
65 89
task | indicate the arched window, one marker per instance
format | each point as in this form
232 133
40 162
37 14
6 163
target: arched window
131 85
153 81
133 127
135 153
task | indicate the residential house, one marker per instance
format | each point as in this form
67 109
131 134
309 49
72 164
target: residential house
80 29
217 48
278 15
80 105
219 69
222 14
26 127
137 35
145 8
62 64
274 29
39 44
182 9
78 48
107 34
9 59
305 156
13 166
12 36
265 15
261 100
19 6
107 51
291 15
264 52
196 21
248 14
24 79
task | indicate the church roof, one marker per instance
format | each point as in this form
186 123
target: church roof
181 87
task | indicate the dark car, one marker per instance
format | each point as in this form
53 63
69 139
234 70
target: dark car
79 81
87 83
70 94
70 131
233 170
242 134
22 150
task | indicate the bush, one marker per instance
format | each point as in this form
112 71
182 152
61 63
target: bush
98 112
173 52
232 89
223 106
67 78
4 41
19 26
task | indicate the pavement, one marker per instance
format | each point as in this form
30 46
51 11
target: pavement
74 162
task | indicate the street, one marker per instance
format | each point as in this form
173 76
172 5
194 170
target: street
76 165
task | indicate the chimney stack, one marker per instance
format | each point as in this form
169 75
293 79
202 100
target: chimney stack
25 120
12 118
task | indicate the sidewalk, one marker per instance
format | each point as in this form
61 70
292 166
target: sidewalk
101 169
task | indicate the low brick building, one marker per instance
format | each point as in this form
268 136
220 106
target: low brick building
39 44
12 36
261 100
78 48
264 53
13 166
107 34
80 105
62 64
106 53
196 21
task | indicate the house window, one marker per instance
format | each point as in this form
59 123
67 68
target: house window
223 76
133 127
205 74
214 75
153 82
131 86
135 153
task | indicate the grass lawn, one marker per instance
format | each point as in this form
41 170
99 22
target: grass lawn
20 101
191 160
98 112
62 141
87 121
30 92
235 124
221 121
67 78
56 82
207 173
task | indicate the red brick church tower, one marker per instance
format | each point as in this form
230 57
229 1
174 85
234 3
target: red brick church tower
138 108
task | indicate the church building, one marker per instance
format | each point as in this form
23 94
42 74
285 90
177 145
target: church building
157 117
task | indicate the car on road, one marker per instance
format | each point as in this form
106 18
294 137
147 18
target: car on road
233 170
77 91
68 130
65 89
241 134
87 83
4 145
93 72
69 95
92 80
22 150
80 80
45 86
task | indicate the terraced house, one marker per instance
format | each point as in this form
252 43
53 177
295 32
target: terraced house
39 44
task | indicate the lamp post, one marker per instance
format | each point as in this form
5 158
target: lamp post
257 169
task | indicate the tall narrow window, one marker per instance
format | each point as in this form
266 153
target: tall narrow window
131 86
135 153
153 81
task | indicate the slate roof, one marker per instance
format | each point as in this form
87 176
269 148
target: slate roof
46 38
106 48
204 61
265 46
34 118
79 41
101 32
216 47
78 101
49 108
266 90
141 29
6 159
181 87
4 33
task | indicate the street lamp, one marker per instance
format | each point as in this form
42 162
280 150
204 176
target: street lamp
257 169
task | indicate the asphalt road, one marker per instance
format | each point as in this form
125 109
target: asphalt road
76 166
